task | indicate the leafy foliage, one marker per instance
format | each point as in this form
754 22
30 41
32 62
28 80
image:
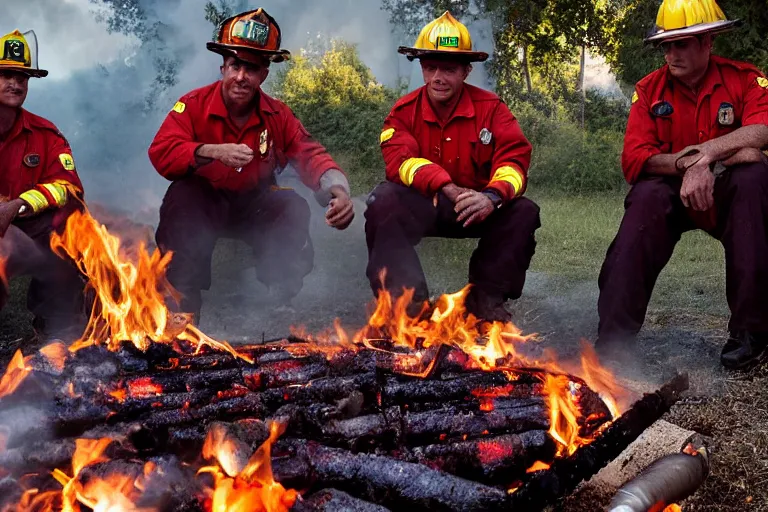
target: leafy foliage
341 104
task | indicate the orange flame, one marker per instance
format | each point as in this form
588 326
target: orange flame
538 466
17 371
253 489
673 508
130 295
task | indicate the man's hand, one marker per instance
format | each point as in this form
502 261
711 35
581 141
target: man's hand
8 212
231 155
453 191
473 207
698 190
745 156
691 156
341 211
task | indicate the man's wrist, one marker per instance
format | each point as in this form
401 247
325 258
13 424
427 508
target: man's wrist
494 196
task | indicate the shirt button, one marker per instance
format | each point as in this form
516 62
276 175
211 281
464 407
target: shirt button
447 139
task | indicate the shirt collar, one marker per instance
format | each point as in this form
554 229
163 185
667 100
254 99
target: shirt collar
712 79
217 108
464 108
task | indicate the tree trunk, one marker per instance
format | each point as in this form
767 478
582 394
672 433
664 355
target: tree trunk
580 86
527 71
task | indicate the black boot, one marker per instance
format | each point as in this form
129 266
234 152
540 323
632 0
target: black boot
744 350
487 307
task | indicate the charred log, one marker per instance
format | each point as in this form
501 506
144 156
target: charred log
545 487
383 480
332 500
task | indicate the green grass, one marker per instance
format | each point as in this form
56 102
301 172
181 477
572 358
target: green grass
571 245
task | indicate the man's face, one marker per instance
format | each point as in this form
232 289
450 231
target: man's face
687 57
13 88
443 79
241 80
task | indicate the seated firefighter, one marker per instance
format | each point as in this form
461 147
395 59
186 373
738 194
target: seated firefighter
456 163
692 154
220 146
39 189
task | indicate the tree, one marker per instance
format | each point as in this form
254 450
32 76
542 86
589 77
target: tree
339 101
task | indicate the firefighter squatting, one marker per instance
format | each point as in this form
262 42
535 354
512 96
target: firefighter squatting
456 167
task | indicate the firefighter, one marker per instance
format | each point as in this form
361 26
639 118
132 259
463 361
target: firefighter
39 189
221 146
456 163
692 153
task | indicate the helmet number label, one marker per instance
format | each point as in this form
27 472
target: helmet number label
14 50
251 31
448 42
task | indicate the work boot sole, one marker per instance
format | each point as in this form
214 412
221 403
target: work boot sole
749 363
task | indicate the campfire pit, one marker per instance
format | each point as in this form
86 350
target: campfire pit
462 439
439 412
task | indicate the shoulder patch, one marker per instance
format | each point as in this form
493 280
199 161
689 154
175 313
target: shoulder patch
179 107
635 97
67 161
762 82
386 135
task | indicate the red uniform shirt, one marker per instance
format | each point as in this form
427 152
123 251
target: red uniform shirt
732 94
481 146
36 164
274 134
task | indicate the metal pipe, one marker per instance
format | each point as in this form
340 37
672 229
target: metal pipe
668 480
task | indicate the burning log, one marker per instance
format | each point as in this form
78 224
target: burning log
383 480
493 460
545 487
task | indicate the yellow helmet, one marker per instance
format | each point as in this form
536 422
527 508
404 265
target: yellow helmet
444 37
685 18
17 55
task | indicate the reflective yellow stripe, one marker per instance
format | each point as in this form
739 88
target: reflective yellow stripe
58 192
386 135
510 175
409 169
36 200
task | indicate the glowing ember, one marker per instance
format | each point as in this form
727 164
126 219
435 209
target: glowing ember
538 466
131 297
17 371
56 354
254 488
673 508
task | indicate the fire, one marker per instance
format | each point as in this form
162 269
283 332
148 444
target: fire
673 508
252 489
131 293
538 466
56 354
17 371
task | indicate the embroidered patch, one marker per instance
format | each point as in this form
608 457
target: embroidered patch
263 146
67 161
635 97
762 82
179 107
386 135
32 160
725 115
485 136
662 109
448 42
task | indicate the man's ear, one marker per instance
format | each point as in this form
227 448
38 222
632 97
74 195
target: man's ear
264 74
467 70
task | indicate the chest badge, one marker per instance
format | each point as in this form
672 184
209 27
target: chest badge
263 145
32 160
485 136
662 109
725 115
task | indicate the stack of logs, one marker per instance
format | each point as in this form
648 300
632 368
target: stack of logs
359 436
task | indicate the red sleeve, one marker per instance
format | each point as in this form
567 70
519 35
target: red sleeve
308 156
641 140
58 181
511 157
403 162
172 151
755 100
